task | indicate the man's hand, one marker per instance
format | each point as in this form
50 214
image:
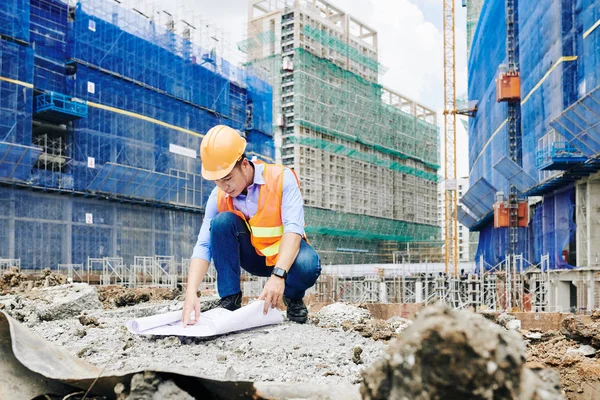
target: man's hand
192 303
272 292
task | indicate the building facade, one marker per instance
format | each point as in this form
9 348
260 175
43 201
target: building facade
102 111
367 156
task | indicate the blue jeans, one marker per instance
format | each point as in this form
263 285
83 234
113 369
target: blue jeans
231 248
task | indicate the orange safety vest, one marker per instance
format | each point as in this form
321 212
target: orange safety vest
266 226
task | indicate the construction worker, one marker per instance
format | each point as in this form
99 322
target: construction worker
254 218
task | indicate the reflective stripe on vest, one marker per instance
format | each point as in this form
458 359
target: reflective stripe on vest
265 232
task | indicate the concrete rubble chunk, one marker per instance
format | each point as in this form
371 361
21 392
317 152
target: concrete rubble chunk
334 315
149 386
508 321
574 328
583 349
448 354
68 301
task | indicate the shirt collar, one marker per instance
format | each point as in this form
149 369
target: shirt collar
259 179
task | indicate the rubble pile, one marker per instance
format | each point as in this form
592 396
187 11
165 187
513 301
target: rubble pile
573 352
336 314
13 280
119 296
356 318
456 354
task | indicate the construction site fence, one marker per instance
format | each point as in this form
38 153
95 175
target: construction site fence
513 285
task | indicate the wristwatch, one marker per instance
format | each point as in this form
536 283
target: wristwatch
280 272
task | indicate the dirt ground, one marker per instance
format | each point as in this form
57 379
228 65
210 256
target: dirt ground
573 351
341 343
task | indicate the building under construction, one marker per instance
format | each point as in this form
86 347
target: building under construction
534 141
102 110
367 157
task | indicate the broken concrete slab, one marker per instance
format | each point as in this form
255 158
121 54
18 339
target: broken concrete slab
68 301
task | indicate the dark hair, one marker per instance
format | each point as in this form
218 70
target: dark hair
240 161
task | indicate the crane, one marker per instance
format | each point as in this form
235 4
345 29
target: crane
450 182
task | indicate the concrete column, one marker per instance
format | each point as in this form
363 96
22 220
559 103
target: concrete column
67 251
581 238
418 292
11 228
593 216
383 292
590 289
113 251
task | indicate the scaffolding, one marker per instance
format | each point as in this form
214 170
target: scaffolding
363 153
74 272
6 264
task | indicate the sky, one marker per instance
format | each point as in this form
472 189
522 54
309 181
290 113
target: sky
410 35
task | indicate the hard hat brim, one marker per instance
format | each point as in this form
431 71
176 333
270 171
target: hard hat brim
216 175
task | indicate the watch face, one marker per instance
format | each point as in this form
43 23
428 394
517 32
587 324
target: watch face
280 272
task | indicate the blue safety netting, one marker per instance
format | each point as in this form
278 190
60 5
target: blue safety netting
16 95
578 124
558 54
551 231
49 30
514 174
47 229
14 19
480 198
16 161
150 96
135 182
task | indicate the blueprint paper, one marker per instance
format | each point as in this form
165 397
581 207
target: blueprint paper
217 321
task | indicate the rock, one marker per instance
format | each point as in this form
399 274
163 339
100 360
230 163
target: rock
335 314
584 349
356 352
221 358
230 374
513 325
150 386
574 328
452 354
68 303
87 321
398 324
595 315
533 335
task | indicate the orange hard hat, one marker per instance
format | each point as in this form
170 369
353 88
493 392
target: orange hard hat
220 149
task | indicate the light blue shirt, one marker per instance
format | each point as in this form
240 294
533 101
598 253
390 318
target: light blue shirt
292 209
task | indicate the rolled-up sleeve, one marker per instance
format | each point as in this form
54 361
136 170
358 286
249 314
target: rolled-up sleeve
292 205
202 248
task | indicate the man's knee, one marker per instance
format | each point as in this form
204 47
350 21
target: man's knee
223 221
308 261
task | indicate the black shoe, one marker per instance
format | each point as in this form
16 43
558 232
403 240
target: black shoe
231 302
296 310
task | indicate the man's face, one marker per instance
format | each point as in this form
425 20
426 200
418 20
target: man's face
234 183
